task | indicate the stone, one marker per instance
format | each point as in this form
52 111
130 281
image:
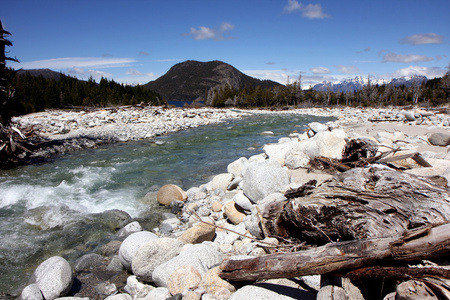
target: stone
232 213
267 132
121 296
154 253
202 256
216 206
106 289
242 201
221 181
170 192
191 295
184 278
159 293
414 290
131 244
110 248
32 292
294 160
439 139
267 291
54 277
198 234
88 262
129 229
264 178
278 151
237 167
317 127
235 183
332 292
169 225
137 289
330 144
212 283
409 116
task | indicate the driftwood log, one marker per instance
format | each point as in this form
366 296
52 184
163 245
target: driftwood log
413 245
371 202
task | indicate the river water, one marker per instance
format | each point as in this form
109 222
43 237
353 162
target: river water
62 207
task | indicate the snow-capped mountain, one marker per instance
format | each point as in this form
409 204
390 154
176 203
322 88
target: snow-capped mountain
357 83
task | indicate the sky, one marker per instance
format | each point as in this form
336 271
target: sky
136 41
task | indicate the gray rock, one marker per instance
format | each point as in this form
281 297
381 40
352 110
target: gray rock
131 244
221 181
294 160
234 183
278 151
269 291
439 139
54 277
122 296
137 289
252 224
201 256
409 116
328 143
264 178
159 293
152 254
32 292
169 225
129 229
332 292
106 289
237 167
242 201
88 262
318 127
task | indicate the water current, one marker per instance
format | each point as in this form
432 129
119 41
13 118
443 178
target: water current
62 207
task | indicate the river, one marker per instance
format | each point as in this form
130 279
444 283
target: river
61 207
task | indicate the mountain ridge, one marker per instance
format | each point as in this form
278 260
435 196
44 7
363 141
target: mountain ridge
191 80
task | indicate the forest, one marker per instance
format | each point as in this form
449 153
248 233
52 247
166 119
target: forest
433 92
36 93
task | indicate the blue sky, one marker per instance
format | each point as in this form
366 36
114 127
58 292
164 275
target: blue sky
136 41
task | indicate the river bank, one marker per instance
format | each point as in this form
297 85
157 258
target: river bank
231 202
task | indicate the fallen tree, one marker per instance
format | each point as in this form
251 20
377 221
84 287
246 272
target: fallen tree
423 243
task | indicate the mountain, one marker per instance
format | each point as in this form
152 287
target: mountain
46 73
191 80
357 83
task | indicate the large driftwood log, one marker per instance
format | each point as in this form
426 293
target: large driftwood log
369 202
412 245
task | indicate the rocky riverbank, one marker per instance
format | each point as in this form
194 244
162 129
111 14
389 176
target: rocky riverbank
223 218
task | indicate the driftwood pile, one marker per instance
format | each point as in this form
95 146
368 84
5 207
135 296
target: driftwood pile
368 223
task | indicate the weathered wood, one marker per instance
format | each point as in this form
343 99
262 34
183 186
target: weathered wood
341 256
361 203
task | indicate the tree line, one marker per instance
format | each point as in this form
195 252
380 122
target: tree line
433 92
36 93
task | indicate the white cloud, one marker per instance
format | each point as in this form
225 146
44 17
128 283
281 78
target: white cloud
347 69
420 39
133 72
405 58
320 70
418 70
309 11
204 33
77 62
96 74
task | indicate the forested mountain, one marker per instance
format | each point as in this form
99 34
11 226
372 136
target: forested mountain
192 80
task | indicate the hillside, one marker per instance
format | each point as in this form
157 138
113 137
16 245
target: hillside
46 73
191 80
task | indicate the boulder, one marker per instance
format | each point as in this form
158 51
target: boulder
88 262
264 178
232 212
54 277
121 296
198 234
294 160
439 139
317 127
152 254
278 151
32 292
237 167
409 116
328 143
183 279
137 289
221 181
159 293
169 193
213 284
131 244
201 256
267 291
129 229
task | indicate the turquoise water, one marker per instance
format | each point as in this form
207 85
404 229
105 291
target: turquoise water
58 207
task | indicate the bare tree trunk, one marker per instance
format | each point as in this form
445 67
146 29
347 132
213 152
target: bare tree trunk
414 245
